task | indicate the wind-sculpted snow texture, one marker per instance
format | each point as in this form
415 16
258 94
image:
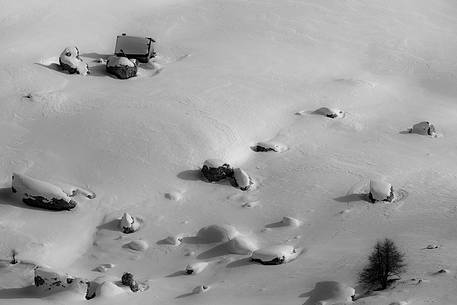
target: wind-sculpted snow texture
229 75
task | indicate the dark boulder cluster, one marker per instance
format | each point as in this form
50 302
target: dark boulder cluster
128 280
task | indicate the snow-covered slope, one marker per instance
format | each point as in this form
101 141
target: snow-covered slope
230 74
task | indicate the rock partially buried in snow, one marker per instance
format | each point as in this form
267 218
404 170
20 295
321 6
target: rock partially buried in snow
129 224
175 196
52 281
174 240
122 67
330 113
269 146
200 289
275 255
41 194
138 245
241 245
424 128
215 170
70 61
217 233
381 191
290 221
196 268
432 246
242 179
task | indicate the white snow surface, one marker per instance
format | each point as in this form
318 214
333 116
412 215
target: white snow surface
232 72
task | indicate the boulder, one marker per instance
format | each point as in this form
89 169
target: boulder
242 179
41 194
274 255
216 170
424 128
380 191
71 62
216 233
122 67
129 224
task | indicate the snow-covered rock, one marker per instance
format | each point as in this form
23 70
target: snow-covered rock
129 224
331 292
70 61
424 128
122 67
330 113
138 245
217 233
216 170
269 146
242 179
196 268
41 194
241 245
381 191
174 240
275 255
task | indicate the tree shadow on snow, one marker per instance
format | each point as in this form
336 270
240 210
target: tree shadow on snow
353 198
185 295
278 224
191 175
177 273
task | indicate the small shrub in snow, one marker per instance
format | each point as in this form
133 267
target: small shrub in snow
217 233
330 113
380 191
242 179
122 67
424 128
216 170
129 224
384 262
127 279
196 268
274 255
269 146
70 61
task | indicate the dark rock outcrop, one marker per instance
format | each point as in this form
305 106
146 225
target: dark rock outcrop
216 170
121 67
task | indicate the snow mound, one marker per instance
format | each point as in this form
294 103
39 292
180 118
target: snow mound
108 289
330 292
241 245
138 245
196 268
70 61
290 221
329 112
275 255
217 233
269 146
